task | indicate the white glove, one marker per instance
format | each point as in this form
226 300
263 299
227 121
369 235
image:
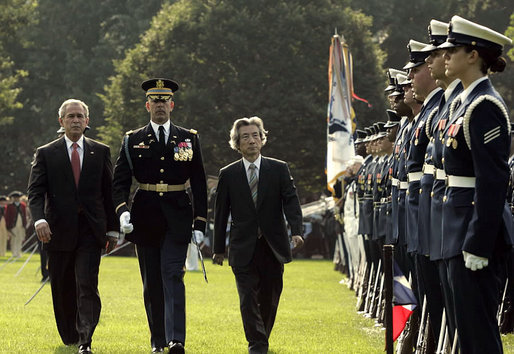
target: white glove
474 262
125 225
198 235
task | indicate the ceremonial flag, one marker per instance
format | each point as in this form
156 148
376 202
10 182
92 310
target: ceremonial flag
340 115
404 301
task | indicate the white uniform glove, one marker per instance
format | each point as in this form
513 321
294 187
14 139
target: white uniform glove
474 262
198 235
125 225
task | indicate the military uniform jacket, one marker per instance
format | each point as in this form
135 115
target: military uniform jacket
276 197
54 197
477 220
419 140
155 213
362 178
439 121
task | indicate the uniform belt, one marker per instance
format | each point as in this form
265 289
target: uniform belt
395 182
460 181
440 174
428 169
403 185
414 176
162 187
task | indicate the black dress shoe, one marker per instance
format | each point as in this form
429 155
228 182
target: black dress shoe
85 349
177 348
157 349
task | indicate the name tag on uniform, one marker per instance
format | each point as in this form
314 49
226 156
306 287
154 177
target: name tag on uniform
141 146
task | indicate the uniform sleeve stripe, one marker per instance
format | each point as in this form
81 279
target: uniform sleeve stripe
491 138
492 132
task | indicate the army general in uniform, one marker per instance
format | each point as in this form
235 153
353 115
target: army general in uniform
162 157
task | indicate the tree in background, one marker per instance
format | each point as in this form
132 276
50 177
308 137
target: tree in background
14 15
395 22
68 51
244 58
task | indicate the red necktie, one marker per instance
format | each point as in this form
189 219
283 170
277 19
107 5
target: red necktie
75 163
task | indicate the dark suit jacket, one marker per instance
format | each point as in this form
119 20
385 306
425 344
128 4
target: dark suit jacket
53 195
276 197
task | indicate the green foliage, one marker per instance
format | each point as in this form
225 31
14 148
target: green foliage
14 16
68 51
241 58
316 313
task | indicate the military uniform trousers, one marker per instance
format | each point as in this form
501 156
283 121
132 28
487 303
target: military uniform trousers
476 300
162 272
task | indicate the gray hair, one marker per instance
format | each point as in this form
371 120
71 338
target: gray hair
70 101
234 132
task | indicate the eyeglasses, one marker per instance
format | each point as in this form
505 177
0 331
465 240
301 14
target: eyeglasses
160 98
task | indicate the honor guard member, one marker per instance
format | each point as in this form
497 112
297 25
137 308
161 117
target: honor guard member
405 262
383 186
437 121
477 223
425 89
393 127
162 157
360 147
401 110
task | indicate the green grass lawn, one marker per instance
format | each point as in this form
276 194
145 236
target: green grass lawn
316 313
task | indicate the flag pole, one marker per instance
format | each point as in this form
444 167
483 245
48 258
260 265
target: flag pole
388 273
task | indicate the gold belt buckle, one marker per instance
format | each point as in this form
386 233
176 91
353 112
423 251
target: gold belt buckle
161 187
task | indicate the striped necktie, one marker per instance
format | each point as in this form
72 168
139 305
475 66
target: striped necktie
253 182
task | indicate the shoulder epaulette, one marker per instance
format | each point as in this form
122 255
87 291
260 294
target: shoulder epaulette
129 132
192 131
472 106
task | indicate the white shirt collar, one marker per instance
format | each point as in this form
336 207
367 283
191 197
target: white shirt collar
156 126
431 94
257 163
464 94
69 143
450 89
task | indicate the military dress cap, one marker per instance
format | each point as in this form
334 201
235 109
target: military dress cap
361 135
416 54
393 119
160 88
437 32
381 130
369 133
464 32
401 80
391 77
15 194
3 198
60 130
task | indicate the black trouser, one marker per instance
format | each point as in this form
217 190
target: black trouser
43 258
476 297
74 282
259 285
429 283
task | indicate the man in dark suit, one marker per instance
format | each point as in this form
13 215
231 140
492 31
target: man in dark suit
257 191
162 157
71 202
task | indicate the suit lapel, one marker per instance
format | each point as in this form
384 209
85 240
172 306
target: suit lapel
245 189
264 174
89 155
